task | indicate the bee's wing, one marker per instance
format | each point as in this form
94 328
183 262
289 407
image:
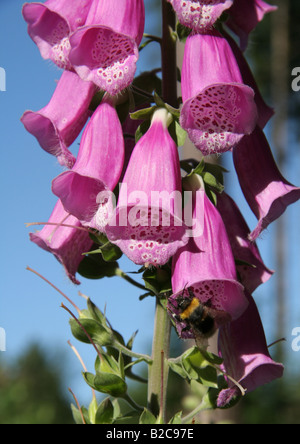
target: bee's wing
220 317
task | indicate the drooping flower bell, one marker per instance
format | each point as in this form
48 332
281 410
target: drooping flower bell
218 108
50 25
58 124
97 169
66 244
267 192
243 347
250 266
265 112
199 15
206 267
245 15
105 50
147 225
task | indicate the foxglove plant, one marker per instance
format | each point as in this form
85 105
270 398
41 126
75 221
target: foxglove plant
128 193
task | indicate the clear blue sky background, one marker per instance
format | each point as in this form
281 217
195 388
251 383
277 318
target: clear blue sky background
29 309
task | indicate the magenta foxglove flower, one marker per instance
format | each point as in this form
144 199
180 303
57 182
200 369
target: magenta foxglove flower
245 15
147 226
66 244
97 169
206 266
218 109
50 25
267 192
265 112
199 15
105 50
243 346
57 125
245 251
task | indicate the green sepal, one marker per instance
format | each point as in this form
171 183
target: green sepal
147 418
96 331
105 413
95 267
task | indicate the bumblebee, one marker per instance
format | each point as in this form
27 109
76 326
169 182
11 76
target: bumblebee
201 319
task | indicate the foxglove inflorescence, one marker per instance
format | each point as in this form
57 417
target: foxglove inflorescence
126 186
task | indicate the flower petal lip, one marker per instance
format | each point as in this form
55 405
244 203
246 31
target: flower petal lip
218 109
58 124
148 231
51 23
267 192
66 244
105 50
256 273
98 166
243 347
199 15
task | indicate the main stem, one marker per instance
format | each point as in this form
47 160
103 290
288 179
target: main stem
159 370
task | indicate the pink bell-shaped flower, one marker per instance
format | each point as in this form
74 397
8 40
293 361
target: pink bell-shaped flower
243 347
105 50
147 225
199 15
97 169
218 108
206 267
245 15
267 192
50 25
251 269
57 125
66 244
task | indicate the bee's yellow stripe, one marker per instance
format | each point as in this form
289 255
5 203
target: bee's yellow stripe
191 308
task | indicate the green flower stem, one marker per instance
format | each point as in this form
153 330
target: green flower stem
132 403
131 354
159 370
191 416
128 279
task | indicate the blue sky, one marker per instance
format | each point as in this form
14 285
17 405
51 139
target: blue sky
29 309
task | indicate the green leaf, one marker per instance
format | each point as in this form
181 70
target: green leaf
159 101
92 410
211 180
177 133
105 413
110 384
182 32
109 251
95 267
77 415
142 129
177 368
143 114
95 313
197 367
158 281
96 331
147 417
177 419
